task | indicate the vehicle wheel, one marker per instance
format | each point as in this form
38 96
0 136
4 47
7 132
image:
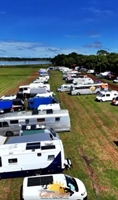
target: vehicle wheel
78 93
101 100
9 133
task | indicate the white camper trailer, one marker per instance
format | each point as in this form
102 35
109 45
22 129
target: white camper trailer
59 120
27 159
53 186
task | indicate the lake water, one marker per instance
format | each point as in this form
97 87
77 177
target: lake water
6 63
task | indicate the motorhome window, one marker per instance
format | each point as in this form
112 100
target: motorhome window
51 157
57 118
14 122
36 181
27 121
46 147
38 154
107 95
35 145
49 111
0 162
12 160
41 120
21 120
5 124
35 112
0 124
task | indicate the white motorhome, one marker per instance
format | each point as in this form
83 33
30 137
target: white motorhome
41 79
106 95
27 88
54 106
59 120
53 186
88 89
31 158
83 81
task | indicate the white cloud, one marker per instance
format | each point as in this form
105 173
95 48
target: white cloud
40 50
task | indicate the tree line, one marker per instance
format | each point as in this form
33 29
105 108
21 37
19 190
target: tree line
102 61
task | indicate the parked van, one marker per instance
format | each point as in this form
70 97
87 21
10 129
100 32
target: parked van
64 88
53 186
106 95
87 89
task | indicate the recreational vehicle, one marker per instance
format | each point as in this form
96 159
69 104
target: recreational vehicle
31 158
88 89
53 186
59 120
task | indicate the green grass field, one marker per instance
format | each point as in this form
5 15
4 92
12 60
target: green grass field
90 143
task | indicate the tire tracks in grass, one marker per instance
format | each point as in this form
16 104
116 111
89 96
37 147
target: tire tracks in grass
80 153
105 139
91 126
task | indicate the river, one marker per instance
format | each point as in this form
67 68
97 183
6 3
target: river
29 62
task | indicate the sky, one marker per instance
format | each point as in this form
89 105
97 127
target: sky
46 28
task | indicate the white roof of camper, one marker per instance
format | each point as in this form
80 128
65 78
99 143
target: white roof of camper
19 148
23 114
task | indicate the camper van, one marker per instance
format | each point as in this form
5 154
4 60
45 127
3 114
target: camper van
53 186
64 88
88 89
59 120
31 158
106 95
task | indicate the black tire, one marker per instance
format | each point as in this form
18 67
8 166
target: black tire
101 100
78 93
9 133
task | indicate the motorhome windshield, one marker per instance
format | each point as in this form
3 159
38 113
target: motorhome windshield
71 183
101 95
